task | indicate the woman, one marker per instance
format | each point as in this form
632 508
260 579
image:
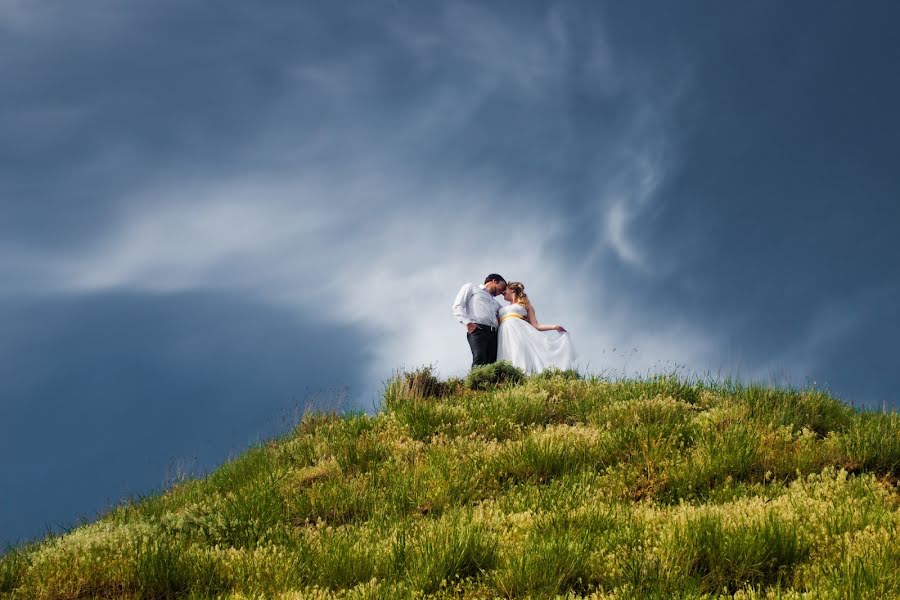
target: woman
526 343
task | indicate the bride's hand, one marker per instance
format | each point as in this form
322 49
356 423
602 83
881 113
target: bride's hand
561 329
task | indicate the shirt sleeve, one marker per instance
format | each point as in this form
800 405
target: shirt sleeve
461 304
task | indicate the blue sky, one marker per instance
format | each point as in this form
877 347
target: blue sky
214 212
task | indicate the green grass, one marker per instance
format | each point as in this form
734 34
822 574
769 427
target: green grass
560 485
763 552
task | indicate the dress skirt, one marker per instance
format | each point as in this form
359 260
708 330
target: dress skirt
531 350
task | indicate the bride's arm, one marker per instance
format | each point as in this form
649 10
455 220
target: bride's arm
532 318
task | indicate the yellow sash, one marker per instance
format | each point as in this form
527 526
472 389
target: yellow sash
510 316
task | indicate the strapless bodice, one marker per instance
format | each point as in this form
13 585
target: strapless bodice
517 309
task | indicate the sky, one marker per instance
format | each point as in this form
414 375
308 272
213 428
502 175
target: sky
214 215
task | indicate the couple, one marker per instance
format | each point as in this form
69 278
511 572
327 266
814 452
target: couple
510 332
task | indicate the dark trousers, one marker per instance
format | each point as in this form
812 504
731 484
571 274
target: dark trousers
483 343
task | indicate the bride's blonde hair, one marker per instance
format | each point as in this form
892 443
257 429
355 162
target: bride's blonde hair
518 290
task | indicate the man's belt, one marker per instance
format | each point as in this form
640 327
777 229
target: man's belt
487 327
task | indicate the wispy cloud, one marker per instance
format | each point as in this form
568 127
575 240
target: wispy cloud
377 214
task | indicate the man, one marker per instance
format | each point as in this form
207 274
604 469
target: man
476 308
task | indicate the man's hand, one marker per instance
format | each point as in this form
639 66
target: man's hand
471 327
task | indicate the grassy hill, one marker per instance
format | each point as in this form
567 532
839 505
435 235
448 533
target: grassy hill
549 486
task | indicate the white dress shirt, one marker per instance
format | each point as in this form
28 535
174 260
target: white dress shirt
475 305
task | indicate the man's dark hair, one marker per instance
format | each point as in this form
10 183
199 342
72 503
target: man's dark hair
494 277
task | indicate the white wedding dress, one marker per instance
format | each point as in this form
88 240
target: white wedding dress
529 349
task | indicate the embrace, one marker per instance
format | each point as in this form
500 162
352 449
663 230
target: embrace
510 332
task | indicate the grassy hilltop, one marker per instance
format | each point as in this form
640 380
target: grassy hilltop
549 486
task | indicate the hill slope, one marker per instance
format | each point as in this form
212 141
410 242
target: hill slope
628 489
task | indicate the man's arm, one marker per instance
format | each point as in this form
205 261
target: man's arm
461 306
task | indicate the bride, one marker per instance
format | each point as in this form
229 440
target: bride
526 343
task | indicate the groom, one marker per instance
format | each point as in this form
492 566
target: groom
476 308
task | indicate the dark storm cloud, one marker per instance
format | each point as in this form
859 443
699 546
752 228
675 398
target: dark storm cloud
781 223
103 99
107 395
